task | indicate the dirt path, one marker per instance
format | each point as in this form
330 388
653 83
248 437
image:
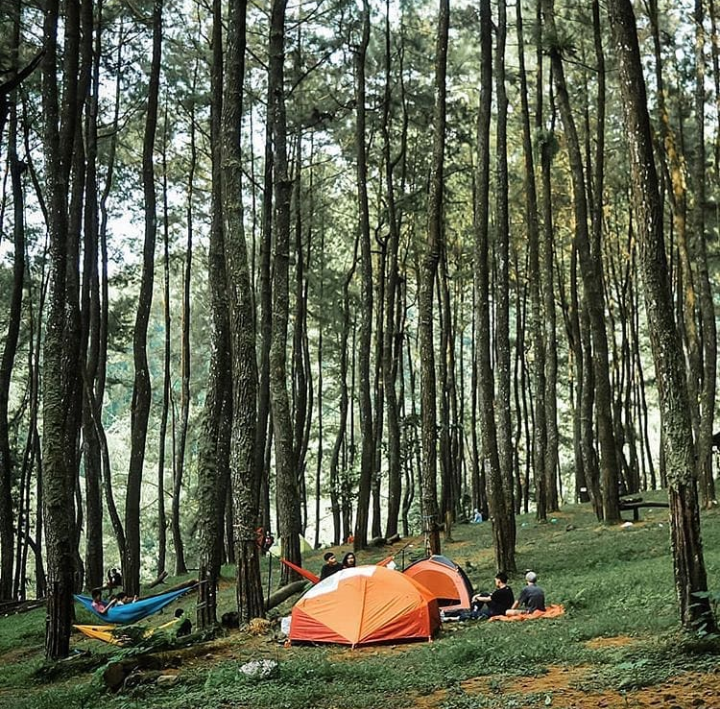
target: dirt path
561 688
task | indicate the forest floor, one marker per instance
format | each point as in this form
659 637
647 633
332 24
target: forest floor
618 645
561 687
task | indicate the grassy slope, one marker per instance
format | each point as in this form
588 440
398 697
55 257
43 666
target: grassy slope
612 581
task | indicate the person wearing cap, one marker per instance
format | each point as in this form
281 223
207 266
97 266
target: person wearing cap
330 567
498 602
531 598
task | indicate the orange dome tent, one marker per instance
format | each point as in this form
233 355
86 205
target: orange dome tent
445 580
368 604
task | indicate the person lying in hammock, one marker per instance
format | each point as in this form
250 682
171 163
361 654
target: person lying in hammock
99 604
122 598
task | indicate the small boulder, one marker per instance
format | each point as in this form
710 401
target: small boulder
260 669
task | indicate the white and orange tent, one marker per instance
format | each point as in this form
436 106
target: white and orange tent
368 604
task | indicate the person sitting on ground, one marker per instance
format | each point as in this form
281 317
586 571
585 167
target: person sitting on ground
531 598
114 578
498 602
185 625
98 604
331 565
349 561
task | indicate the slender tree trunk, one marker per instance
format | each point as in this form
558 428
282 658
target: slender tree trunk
180 452
245 478
547 259
502 286
213 445
708 372
390 341
427 277
141 398
535 283
367 460
503 520
7 542
167 377
288 492
592 276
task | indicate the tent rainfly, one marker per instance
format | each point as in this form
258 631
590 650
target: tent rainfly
367 604
447 582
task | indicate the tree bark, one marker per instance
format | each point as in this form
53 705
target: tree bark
7 541
592 277
61 413
503 520
141 398
427 275
245 479
689 566
288 491
367 458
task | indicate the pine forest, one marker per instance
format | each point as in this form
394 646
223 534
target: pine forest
349 271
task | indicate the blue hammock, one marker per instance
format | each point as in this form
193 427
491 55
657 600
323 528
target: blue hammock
133 612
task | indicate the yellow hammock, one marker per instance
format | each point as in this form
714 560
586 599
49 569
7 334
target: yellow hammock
106 634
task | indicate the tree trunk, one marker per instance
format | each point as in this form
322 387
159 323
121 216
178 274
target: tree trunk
245 480
390 341
367 458
167 376
61 414
535 283
592 276
180 452
689 566
503 520
7 542
427 275
142 395
706 305
288 492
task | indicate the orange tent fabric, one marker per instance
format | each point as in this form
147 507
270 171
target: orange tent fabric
368 604
549 612
445 580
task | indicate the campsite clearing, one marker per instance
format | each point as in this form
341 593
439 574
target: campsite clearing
617 645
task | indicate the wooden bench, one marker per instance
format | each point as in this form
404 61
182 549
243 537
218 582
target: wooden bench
635 503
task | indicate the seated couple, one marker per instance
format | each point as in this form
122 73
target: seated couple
502 601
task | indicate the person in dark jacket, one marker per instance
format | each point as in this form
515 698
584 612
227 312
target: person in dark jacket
496 603
330 567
